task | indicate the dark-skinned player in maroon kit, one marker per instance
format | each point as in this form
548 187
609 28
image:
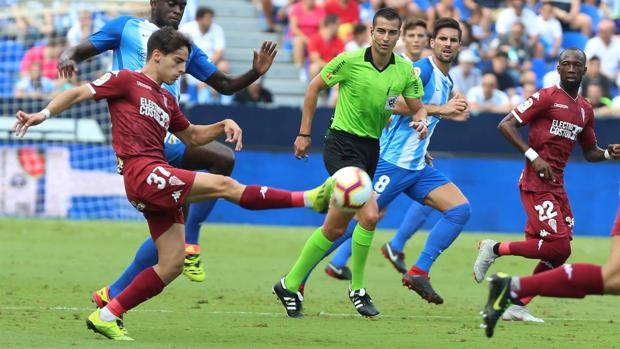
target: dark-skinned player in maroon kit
558 118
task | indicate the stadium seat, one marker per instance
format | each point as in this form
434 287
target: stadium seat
591 11
539 67
574 39
11 53
6 83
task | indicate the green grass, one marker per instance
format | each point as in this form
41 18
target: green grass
48 270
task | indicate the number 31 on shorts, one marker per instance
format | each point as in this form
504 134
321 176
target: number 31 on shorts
153 178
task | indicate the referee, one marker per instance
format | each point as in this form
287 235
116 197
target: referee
371 80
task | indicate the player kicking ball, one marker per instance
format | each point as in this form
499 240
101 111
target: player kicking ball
142 111
558 118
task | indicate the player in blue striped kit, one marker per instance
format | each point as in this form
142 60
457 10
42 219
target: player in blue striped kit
402 167
127 36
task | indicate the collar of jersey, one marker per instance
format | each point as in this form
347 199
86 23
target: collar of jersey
569 96
153 82
368 58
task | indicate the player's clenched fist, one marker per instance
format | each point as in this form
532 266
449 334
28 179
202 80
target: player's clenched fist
543 169
419 126
301 145
614 151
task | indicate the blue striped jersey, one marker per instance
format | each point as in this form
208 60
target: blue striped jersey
127 37
399 142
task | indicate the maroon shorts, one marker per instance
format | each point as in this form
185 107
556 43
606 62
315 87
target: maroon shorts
615 231
158 190
549 216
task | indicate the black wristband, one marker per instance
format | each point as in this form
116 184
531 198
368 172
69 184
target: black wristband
304 135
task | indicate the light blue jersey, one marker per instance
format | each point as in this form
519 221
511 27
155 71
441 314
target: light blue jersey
400 145
128 35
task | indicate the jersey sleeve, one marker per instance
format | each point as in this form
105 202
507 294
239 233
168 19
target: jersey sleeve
111 85
587 137
423 69
531 108
414 87
199 65
178 120
109 36
336 70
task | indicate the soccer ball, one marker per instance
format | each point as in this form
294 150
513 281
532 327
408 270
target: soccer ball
352 189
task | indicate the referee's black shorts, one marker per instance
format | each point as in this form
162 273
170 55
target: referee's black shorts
343 149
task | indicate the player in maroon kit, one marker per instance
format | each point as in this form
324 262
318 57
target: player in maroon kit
569 281
141 112
558 118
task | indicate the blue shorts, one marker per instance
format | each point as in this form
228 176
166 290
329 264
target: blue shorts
390 180
174 150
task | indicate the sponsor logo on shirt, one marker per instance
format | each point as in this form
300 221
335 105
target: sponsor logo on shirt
141 84
560 105
565 129
151 109
176 195
338 67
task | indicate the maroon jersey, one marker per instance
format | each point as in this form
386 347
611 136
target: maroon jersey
556 122
142 112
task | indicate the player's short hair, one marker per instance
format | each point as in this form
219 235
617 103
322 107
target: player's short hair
167 40
204 10
594 58
573 49
446 22
388 13
413 23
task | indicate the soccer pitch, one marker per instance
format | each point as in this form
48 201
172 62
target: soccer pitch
49 269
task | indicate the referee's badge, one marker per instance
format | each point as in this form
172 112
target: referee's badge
416 71
390 103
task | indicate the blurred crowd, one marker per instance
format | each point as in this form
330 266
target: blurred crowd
509 48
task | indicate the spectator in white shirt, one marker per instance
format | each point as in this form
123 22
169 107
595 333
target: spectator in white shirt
208 36
486 98
550 30
465 75
361 38
517 12
606 46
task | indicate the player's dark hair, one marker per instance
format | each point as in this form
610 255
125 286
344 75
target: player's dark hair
204 10
167 40
359 29
388 13
412 23
594 58
573 49
446 22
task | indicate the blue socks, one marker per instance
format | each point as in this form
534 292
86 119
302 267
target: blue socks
145 257
198 213
443 234
412 222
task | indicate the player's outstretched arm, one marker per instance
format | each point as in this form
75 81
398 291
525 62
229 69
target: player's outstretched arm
197 135
593 153
304 138
57 105
263 59
71 57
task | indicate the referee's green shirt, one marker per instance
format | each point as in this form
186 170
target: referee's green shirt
368 95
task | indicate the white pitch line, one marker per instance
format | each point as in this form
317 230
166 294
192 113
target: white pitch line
251 313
